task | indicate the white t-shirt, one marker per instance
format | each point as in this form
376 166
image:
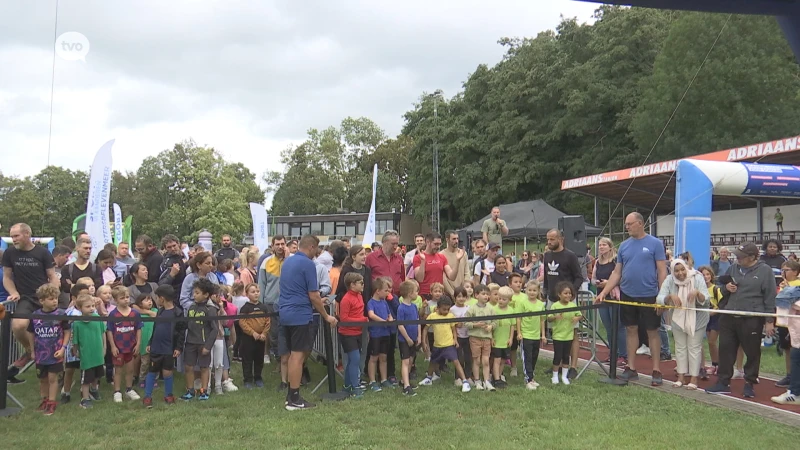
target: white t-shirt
488 265
239 302
409 259
460 311
229 279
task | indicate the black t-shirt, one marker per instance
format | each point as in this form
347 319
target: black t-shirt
558 267
153 263
91 270
500 279
145 288
29 268
604 271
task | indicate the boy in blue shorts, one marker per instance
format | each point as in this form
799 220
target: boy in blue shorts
445 343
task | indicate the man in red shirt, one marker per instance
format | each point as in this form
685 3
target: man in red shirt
430 266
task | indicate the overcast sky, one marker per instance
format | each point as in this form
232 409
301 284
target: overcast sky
246 77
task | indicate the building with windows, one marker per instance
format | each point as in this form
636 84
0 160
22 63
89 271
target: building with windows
328 227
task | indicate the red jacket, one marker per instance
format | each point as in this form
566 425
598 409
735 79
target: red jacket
351 309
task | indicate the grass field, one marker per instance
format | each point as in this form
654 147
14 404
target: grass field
587 414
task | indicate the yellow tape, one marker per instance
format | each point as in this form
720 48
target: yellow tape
714 311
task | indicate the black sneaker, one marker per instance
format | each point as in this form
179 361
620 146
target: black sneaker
719 389
665 357
282 387
95 394
408 391
299 404
784 382
65 398
629 375
657 379
572 373
15 380
748 391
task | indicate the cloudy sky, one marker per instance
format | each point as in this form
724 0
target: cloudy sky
246 77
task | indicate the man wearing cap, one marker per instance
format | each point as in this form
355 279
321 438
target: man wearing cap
750 287
485 265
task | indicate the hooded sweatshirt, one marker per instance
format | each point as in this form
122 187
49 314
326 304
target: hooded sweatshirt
755 288
202 332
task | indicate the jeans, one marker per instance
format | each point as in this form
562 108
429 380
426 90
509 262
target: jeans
605 317
662 333
794 385
352 375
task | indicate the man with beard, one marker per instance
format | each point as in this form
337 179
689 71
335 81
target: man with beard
124 254
173 269
26 267
460 265
484 266
269 275
227 251
430 266
150 257
82 267
561 264
408 260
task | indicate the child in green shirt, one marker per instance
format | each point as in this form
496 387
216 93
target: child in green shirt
144 304
563 329
502 336
88 339
530 330
480 338
515 283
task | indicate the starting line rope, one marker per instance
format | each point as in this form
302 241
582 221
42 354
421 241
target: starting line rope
708 310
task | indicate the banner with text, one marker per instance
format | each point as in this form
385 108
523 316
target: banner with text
97 225
369 233
117 224
260 226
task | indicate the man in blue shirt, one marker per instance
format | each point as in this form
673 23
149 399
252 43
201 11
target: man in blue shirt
641 269
299 296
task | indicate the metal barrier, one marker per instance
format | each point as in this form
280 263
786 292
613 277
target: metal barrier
10 350
16 349
318 350
588 331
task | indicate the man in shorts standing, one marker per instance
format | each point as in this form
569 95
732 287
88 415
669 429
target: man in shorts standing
26 267
299 296
640 271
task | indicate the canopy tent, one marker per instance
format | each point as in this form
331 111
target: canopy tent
529 219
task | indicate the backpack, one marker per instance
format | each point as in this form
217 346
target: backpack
482 262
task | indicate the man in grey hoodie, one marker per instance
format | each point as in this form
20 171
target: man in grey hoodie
750 287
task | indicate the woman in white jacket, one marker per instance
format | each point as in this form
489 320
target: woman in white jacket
686 288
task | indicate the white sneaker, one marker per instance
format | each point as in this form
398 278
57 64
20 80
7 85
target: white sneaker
471 383
228 386
426 382
218 390
117 397
531 386
266 359
643 350
565 380
479 385
197 384
787 398
488 386
503 378
555 379
427 359
132 395
435 377
535 383
514 372
458 382
465 387
738 374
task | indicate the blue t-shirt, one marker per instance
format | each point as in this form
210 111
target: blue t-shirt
381 309
298 278
47 336
638 258
161 339
408 312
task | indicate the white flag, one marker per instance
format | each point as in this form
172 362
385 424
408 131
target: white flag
117 224
369 233
260 228
97 225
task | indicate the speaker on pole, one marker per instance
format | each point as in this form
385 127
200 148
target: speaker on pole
574 230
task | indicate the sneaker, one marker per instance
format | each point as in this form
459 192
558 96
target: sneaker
282 387
218 390
465 387
299 404
554 380
787 398
375 387
748 391
502 378
479 385
629 375
15 380
393 380
259 384
488 386
94 394
23 361
657 380
719 389
531 386
203 395
86 403
228 386
147 402
117 397
248 386
170 399
784 382
500 384
427 381
457 382
408 391
572 373
665 357
65 398
471 383
43 405
565 380
622 362
387 384
737 374
514 372
188 395
131 394
50 409
357 393
643 350
267 360
435 377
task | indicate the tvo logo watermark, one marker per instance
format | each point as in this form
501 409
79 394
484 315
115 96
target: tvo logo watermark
72 46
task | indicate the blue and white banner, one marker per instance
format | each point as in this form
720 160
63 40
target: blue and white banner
97 225
772 180
260 226
117 224
369 232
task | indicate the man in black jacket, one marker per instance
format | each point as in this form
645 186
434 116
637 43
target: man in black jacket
173 269
227 251
149 256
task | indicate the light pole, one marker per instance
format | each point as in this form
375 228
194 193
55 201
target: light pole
435 182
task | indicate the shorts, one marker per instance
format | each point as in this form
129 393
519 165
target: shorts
444 354
350 343
193 356
646 317
72 365
784 341
121 359
294 338
378 346
502 353
406 351
42 370
27 305
713 323
90 376
480 347
161 362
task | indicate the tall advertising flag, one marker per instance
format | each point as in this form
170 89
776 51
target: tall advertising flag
117 224
369 233
97 225
260 229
